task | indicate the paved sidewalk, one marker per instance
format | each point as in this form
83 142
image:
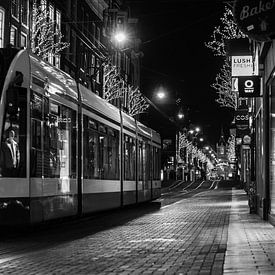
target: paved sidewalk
211 232
251 241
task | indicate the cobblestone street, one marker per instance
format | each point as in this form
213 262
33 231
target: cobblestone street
189 236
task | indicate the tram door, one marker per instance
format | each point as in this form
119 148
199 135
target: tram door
13 140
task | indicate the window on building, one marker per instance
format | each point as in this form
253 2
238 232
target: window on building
15 8
24 12
57 61
51 12
82 19
23 40
43 4
73 47
58 20
2 23
98 35
50 58
86 23
13 36
93 32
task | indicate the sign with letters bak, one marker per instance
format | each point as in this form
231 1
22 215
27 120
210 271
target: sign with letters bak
255 18
249 86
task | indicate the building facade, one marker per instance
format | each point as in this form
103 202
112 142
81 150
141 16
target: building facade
87 26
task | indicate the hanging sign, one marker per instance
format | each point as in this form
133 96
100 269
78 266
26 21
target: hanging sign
255 18
244 65
249 86
241 122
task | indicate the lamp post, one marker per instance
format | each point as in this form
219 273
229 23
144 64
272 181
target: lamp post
193 137
164 100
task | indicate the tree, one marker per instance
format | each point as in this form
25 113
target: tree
137 103
45 34
223 86
227 31
231 152
115 87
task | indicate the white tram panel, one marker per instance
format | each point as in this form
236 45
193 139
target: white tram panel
56 81
99 106
53 197
156 183
129 185
100 194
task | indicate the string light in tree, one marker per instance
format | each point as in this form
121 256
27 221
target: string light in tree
45 34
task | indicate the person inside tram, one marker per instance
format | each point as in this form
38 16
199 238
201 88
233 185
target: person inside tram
10 156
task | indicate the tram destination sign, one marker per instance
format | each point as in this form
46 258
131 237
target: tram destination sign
255 18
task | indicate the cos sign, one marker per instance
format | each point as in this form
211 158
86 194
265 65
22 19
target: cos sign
242 119
249 86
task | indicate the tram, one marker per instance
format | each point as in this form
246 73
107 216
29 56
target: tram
66 152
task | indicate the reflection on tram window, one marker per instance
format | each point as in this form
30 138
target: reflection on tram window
53 152
156 163
129 158
13 140
100 151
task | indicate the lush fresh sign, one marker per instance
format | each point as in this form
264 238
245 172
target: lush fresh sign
244 66
256 18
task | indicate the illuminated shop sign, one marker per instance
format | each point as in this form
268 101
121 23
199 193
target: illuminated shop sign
249 86
241 119
255 18
244 65
242 122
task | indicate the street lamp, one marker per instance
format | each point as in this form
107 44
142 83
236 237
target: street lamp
197 129
161 94
120 37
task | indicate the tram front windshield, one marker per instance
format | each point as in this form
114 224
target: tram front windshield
13 140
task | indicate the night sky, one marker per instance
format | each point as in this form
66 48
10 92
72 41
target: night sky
173 34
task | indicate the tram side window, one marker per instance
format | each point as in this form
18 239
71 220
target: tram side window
60 147
140 161
13 140
156 163
147 164
91 152
129 158
36 141
100 151
53 139
113 156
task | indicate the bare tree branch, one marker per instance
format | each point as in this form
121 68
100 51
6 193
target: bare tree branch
45 36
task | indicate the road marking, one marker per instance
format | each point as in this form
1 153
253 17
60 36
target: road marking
199 185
